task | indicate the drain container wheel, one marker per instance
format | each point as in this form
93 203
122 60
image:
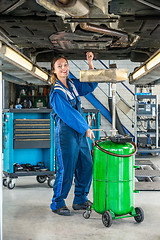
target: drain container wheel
41 179
107 219
11 184
5 182
140 215
51 182
86 214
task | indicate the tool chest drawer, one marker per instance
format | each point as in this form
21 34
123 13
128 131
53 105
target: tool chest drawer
31 133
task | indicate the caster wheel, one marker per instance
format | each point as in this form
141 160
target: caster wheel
140 215
11 185
107 219
5 183
51 182
41 179
86 215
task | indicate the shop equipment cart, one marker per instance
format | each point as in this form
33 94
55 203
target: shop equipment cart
113 182
28 145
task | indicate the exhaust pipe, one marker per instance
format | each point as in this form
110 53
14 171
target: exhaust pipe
123 37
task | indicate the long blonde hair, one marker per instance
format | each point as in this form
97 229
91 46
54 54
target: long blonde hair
53 75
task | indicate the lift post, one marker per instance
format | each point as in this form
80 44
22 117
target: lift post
114 130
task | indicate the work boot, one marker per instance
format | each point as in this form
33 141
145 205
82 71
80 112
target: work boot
63 211
82 206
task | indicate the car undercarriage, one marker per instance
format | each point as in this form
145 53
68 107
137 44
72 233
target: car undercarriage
116 29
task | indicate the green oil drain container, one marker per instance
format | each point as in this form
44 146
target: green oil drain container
113 182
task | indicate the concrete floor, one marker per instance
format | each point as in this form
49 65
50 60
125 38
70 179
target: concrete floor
27 216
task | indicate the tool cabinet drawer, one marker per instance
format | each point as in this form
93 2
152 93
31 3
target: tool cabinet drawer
31 133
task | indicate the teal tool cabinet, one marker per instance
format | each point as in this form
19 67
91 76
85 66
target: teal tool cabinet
92 116
28 145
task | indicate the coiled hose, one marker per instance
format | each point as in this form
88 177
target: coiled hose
114 154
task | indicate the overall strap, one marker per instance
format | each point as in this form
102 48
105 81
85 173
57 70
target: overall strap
75 92
66 91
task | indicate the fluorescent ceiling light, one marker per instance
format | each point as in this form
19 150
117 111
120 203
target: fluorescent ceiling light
153 62
40 73
139 72
17 58
148 71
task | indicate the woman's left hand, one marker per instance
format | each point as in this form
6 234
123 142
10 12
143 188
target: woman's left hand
90 57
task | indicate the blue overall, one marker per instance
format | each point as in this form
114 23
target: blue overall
72 149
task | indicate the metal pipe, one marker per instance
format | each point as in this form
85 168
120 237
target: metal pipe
110 32
80 20
110 90
114 109
149 4
13 6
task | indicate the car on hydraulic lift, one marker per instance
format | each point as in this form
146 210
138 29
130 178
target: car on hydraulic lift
112 29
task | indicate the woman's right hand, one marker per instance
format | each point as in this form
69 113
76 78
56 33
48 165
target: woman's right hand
90 134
